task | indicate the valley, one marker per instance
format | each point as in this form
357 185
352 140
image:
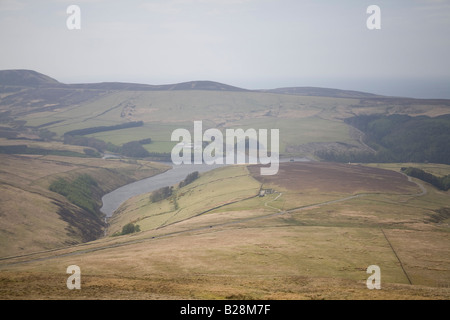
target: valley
308 232
293 244
35 219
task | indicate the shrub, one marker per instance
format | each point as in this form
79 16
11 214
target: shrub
191 177
134 149
161 194
91 152
145 141
130 228
97 144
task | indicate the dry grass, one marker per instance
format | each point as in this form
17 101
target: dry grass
42 285
29 212
248 250
227 263
214 189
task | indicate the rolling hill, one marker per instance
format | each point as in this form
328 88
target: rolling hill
322 92
31 78
311 234
310 120
34 218
312 238
26 78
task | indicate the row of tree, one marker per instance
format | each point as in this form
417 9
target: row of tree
166 192
91 130
191 177
23 149
442 183
133 149
399 138
161 194
90 142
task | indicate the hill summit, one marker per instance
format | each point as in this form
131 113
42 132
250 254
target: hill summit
26 78
30 78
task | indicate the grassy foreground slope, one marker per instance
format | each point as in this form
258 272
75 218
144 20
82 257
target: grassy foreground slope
34 218
215 189
311 239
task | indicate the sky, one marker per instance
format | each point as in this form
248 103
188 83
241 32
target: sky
253 44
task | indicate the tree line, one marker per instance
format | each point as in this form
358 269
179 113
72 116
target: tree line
24 149
191 177
398 138
442 183
133 149
91 130
166 192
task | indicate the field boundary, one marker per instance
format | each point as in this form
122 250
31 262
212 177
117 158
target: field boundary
396 255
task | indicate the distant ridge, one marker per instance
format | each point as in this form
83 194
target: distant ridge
30 78
191 85
322 92
202 85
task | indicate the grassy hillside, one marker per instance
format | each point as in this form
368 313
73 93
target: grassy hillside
297 243
399 138
213 190
35 218
312 235
300 119
309 119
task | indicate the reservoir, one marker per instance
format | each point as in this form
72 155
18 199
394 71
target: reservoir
113 200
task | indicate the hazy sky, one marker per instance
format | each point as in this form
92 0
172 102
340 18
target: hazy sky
253 44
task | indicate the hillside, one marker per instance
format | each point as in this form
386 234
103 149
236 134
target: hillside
308 232
30 78
402 138
34 218
122 86
26 78
310 120
322 92
310 239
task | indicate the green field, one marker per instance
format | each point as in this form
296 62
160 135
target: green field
306 123
300 119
